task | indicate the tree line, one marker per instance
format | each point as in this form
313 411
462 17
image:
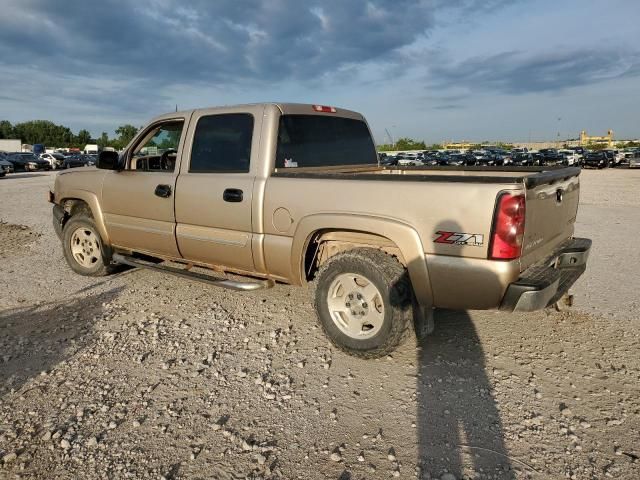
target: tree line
59 136
411 144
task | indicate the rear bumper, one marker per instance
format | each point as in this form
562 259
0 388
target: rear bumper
544 283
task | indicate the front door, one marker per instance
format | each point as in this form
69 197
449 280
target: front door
138 202
215 188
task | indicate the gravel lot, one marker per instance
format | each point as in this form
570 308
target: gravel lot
141 375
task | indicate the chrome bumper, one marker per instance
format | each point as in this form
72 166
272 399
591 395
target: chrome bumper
546 282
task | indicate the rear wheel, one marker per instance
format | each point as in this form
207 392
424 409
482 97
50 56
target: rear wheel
83 248
363 302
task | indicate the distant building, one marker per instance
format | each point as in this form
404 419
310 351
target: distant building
458 145
606 139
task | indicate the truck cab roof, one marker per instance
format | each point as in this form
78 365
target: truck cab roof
285 109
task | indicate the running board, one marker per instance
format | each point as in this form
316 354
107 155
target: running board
200 277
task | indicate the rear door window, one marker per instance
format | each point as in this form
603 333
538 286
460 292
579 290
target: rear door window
322 141
222 143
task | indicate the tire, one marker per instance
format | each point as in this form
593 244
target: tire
81 231
375 287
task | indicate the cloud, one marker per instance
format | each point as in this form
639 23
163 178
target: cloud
218 41
100 63
516 72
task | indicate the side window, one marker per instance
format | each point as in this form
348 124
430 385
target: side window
157 151
222 143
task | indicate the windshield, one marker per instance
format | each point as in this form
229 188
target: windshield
323 141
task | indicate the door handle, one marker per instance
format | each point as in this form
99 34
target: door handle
232 195
163 191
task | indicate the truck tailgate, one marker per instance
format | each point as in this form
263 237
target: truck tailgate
551 209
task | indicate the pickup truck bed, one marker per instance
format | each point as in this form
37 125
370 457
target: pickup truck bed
529 176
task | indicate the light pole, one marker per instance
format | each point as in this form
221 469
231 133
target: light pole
558 140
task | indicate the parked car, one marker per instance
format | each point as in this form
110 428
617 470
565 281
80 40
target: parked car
484 158
596 160
73 161
551 156
579 150
56 160
570 157
27 161
458 160
616 157
525 159
5 165
634 159
388 160
409 159
309 204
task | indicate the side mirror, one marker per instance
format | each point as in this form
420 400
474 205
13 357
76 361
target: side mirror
108 160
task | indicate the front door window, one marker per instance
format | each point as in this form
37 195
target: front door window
158 150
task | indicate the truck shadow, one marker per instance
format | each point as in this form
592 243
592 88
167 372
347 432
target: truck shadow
459 425
37 338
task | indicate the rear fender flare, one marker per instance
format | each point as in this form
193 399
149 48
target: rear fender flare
403 235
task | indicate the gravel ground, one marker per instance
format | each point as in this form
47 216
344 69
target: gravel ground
140 375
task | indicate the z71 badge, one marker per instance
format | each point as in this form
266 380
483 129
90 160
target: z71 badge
460 238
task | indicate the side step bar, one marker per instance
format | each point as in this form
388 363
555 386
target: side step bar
200 277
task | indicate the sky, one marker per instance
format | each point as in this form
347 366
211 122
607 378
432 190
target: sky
433 70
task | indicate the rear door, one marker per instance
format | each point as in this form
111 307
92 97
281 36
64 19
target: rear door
550 217
138 201
214 191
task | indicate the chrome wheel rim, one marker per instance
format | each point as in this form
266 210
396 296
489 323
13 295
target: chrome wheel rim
355 306
85 247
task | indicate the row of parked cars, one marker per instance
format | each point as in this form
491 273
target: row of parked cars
28 162
517 157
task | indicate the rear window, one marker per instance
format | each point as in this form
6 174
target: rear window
323 141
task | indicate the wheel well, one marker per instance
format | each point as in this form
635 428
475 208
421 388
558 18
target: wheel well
74 206
324 244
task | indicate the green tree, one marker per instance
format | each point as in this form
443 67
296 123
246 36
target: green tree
504 146
44 131
103 141
83 138
125 135
410 144
6 129
597 146
386 147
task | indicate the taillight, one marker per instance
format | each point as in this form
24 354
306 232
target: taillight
508 227
324 108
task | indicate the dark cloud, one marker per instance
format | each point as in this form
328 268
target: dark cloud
220 41
518 72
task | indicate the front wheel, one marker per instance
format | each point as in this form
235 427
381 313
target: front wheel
83 248
363 301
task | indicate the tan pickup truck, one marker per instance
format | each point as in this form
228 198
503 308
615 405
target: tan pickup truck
247 196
